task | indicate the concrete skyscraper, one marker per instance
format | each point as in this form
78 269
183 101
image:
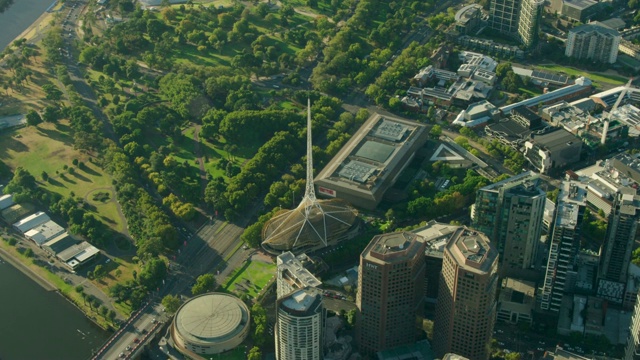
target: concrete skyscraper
510 213
565 244
615 253
517 18
390 291
299 329
467 304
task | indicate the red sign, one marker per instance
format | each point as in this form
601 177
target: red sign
325 191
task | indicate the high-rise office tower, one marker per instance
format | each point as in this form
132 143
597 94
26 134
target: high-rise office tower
565 244
510 213
390 291
466 308
292 275
299 329
517 18
615 253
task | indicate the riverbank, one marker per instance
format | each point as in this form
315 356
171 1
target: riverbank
31 18
50 281
32 314
6 256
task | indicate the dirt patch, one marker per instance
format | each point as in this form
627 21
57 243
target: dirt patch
262 257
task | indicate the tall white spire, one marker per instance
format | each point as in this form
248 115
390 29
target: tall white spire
310 192
313 222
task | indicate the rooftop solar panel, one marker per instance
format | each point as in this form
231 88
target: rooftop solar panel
390 130
548 76
375 151
357 171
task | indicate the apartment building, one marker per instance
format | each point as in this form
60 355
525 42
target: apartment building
299 329
565 244
510 213
593 41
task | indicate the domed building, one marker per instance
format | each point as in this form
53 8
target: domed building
312 225
210 324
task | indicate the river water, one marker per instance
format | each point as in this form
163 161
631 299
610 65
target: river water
36 324
18 17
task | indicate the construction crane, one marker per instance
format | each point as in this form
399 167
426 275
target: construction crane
607 116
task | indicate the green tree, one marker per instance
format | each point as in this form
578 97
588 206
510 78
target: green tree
436 131
171 303
51 114
254 354
99 272
33 118
111 316
204 283
502 69
51 92
351 318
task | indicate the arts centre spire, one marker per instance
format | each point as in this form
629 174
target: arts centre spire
314 223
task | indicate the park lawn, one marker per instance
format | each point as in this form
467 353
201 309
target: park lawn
239 353
212 152
288 105
529 92
48 148
126 268
258 274
14 108
603 78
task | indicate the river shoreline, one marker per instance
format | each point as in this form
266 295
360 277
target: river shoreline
39 24
16 263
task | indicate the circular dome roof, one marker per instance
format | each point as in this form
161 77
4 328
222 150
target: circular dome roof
312 223
211 318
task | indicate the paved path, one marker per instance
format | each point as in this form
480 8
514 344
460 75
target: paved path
200 159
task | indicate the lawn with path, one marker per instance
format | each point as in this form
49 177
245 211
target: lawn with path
49 148
250 278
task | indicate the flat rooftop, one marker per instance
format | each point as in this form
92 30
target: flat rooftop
436 235
556 140
580 4
287 261
368 164
302 301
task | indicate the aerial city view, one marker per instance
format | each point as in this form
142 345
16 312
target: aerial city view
319 179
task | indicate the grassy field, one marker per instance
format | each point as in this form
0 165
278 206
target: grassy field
49 148
529 92
599 78
211 153
250 278
238 353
